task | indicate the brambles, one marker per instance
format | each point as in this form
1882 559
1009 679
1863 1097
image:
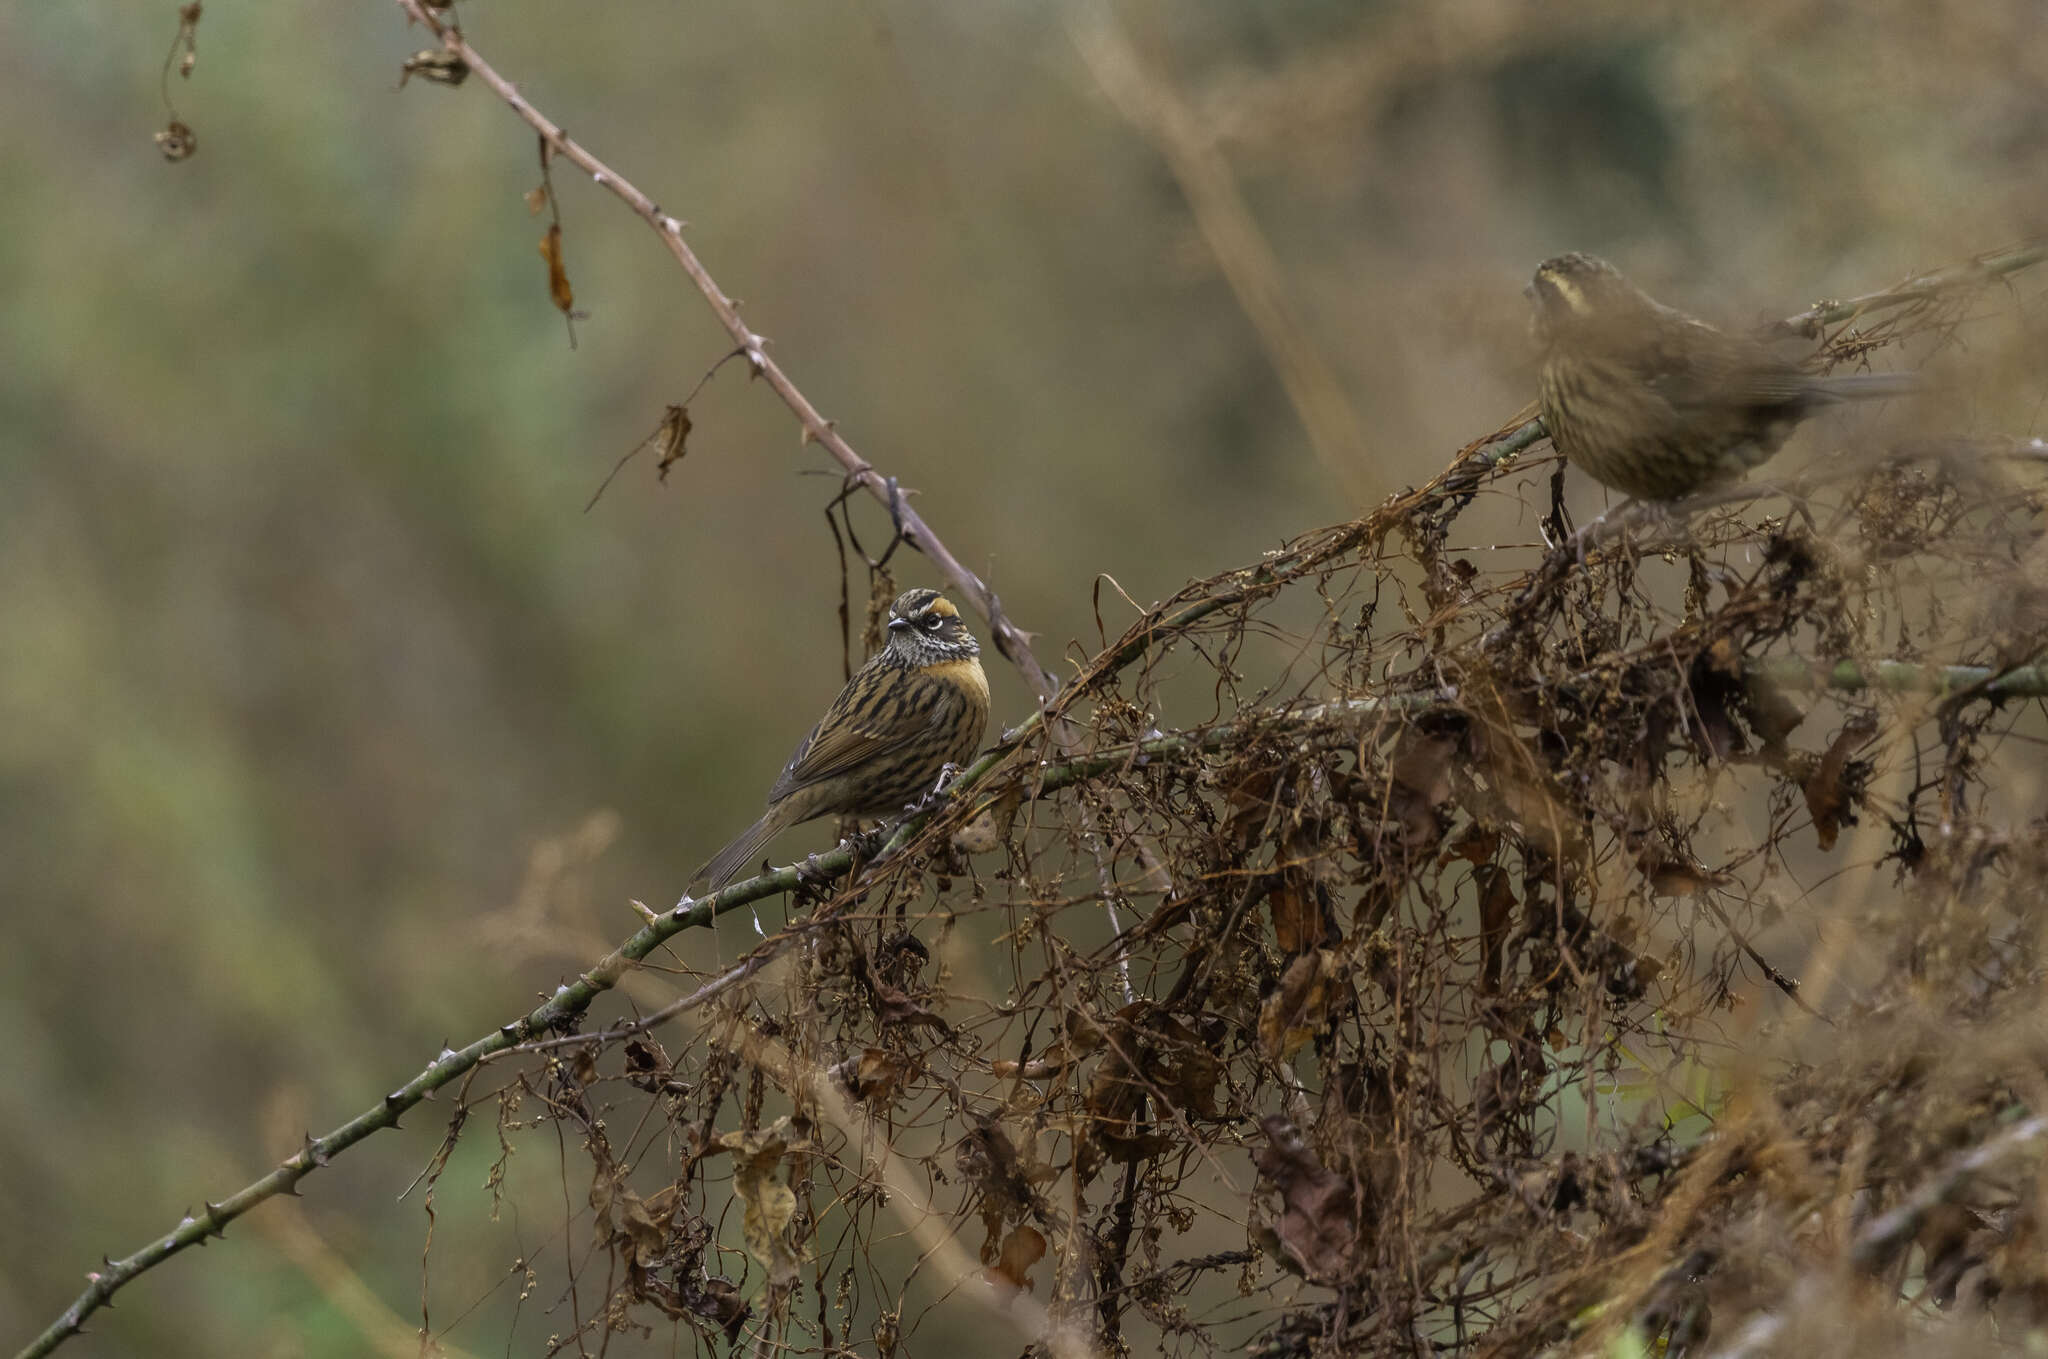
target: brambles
1539 968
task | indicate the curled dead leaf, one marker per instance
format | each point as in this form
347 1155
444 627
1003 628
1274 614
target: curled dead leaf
1834 785
176 141
1299 1007
443 68
1318 1227
1023 1246
559 291
770 1205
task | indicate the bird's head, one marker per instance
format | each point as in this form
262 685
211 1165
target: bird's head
925 629
1578 294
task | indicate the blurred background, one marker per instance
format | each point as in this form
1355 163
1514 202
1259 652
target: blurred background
332 727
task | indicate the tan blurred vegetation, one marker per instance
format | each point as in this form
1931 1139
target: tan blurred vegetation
314 668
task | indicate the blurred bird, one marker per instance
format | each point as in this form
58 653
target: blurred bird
918 705
1659 404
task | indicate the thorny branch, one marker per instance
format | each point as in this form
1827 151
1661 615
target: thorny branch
1011 641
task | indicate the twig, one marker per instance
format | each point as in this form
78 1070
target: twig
1009 640
1981 269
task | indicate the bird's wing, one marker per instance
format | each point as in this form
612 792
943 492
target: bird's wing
870 717
1696 367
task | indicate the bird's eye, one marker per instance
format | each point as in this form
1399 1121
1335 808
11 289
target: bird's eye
932 622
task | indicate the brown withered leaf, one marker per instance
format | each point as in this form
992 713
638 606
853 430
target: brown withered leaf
641 1232
876 1075
1829 797
719 1301
990 828
443 68
1185 1069
770 1204
1523 794
1476 846
583 1066
1496 913
1773 713
1250 800
536 199
1299 1007
1716 684
670 438
1421 784
1299 922
891 1004
1670 875
559 291
620 1218
1023 1247
1318 1226
176 141
644 1056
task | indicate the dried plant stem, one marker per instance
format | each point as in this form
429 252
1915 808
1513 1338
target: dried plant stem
1012 642
1993 264
573 999
563 1009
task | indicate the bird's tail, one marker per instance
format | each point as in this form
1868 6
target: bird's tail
1867 386
725 864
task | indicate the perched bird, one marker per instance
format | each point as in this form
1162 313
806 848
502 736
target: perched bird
918 705
1659 404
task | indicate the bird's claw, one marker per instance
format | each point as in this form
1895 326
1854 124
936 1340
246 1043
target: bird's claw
937 793
811 873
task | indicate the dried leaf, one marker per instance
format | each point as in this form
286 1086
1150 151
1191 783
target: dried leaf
770 1205
877 1075
536 199
675 425
1023 1247
1300 1007
441 67
1299 922
1476 846
1318 1227
1830 794
1671 876
718 1301
990 829
176 141
558 277
1497 905
641 1231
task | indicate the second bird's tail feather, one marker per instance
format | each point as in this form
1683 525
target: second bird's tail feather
726 864
1868 386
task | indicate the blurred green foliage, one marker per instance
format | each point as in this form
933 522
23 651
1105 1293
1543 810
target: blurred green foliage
307 641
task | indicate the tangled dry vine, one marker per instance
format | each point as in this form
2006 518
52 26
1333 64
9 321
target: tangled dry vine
1451 1019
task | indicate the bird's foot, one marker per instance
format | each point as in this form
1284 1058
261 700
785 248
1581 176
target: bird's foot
868 843
940 790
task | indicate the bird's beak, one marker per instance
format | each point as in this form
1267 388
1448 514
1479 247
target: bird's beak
898 624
